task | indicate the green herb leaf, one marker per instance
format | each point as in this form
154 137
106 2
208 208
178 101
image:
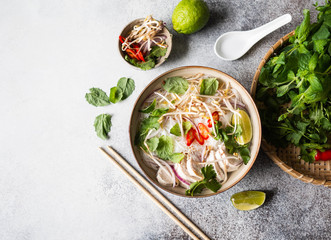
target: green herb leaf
175 130
149 64
302 31
115 95
97 97
127 86
150 60
209 182
157 52
146 125
186 127
176 157
245 154
159 112
209 86
322 33
226 136
152 143
150 108
176 85
165 147
102 125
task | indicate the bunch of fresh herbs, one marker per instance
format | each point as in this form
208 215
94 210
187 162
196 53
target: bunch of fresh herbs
295 88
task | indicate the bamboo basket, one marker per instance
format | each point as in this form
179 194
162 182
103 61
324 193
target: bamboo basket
318 173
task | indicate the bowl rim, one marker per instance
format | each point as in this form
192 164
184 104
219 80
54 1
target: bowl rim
254 106
166 56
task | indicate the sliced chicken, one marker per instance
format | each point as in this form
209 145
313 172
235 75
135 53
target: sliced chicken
164 178
233 164
220 173
193 168
181 169
224 169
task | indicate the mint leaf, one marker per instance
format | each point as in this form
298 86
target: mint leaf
177 85
115 94
150 108
302 31
126 85
322 33
102 124
97 97
209 86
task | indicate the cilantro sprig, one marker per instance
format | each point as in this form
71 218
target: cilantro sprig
209 182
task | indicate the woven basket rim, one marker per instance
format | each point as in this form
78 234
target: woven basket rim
268 148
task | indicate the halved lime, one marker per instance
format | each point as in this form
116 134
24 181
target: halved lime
244 121
248 200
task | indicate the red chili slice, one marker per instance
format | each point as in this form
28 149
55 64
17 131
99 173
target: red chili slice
131 54
198 137
204 132
190 137
215 117
122 39
140 56
324 156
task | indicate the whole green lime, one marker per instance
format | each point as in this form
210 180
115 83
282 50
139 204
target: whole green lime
190 16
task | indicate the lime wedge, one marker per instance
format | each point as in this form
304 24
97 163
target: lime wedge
248 200
244 121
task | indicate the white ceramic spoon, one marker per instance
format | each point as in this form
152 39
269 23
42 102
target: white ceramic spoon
233 45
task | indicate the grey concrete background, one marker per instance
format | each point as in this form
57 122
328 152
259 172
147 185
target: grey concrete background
55 184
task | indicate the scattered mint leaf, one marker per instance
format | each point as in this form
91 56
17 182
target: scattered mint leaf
127 86
209 86
97 97
102 125
115 95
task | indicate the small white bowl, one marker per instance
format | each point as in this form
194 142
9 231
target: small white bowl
126 31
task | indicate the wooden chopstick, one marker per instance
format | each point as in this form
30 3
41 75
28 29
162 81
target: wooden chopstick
127 168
